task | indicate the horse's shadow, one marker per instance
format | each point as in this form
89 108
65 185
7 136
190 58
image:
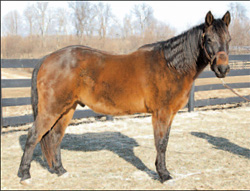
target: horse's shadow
116 142
224 144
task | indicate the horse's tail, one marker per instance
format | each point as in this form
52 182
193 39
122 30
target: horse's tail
34 95
47 140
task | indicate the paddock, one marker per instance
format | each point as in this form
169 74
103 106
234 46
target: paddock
212 153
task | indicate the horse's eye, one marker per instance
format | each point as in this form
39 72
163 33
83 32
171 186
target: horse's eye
209 41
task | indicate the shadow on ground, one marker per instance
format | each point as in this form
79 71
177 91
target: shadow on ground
116 142
224 144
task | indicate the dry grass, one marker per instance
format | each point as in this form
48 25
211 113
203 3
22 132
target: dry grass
207 150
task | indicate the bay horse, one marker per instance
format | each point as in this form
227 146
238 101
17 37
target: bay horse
156 78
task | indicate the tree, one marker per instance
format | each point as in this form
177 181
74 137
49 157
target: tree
83 14
127 26
30 15
144 16
12 23
61 21
238 11
240 25
44 17
104 18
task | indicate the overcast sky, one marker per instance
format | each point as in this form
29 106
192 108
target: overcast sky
180 15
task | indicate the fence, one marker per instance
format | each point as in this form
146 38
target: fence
30 63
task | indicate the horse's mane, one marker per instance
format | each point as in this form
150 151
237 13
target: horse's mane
180 52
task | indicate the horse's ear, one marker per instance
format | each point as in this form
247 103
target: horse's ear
209 19
227 18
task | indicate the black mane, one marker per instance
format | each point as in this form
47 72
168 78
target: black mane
181 52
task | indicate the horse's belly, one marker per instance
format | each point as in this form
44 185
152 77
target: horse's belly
117 107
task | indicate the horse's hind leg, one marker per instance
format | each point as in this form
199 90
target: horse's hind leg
41 126
162 123
57 134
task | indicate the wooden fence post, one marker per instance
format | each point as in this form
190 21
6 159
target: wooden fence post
191 100
1 97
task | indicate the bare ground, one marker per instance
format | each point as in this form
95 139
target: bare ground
208 149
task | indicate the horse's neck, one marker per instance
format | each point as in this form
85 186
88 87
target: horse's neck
184 52
194 58
196 53
201 63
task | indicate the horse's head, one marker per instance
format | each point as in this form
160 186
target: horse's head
215 43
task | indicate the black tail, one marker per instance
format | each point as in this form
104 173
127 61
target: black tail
34 95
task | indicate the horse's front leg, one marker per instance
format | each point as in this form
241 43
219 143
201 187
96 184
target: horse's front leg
161 121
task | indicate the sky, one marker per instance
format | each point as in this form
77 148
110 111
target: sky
180 15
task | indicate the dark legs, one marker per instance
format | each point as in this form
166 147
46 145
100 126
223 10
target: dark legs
162 123
52 139
56 139
31 142
35 134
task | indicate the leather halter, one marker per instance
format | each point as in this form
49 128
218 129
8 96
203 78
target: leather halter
210 58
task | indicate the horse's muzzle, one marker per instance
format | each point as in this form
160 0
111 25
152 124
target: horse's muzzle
220 64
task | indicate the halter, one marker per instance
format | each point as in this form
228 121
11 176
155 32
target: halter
211 59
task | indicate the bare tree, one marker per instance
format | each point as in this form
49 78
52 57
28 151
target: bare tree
61 21
44 17
238 11
83 17
115 30
30 17
12 23
144 16
104 19
240 25
127 26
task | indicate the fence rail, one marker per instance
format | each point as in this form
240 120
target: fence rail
26 83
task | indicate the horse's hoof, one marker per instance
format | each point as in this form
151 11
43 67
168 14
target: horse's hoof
165 177
26 181
61 172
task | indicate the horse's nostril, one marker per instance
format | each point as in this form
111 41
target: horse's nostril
223 69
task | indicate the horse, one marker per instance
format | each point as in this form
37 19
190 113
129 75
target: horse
156 79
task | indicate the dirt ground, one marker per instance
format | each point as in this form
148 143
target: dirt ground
208 149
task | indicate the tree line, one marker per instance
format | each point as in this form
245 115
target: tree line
41 29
